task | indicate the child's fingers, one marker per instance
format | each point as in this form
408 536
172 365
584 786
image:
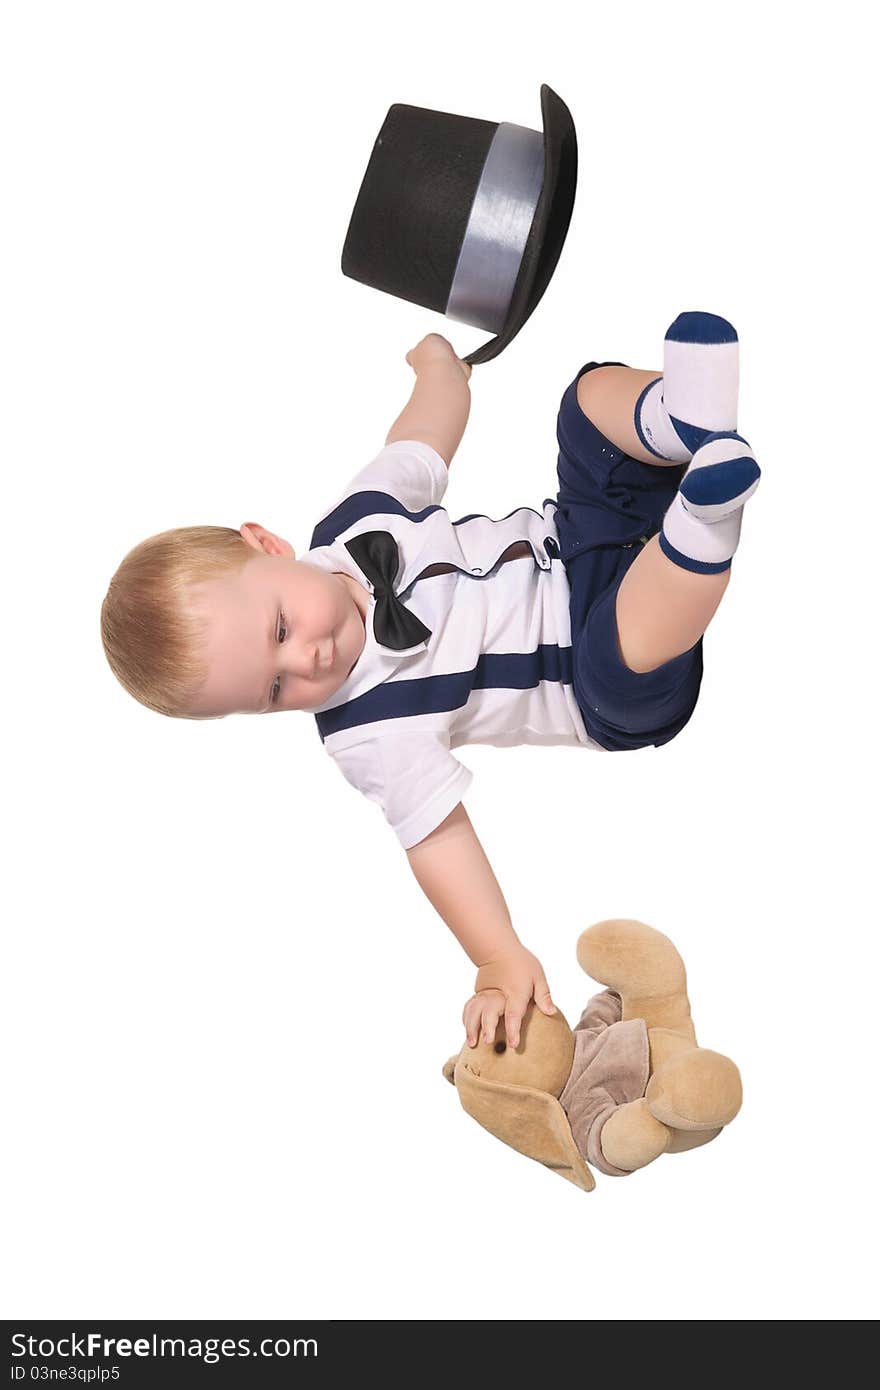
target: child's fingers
542 996
472 1016
514 1012
480 1016
491 1014
471 1020
513 1016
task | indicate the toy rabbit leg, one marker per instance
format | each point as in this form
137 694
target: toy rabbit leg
695 1090
691 1089
644 968
632 1137
611 1121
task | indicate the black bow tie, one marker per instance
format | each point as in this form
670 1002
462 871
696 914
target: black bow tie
394 625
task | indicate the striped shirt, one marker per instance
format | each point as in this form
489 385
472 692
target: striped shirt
496 667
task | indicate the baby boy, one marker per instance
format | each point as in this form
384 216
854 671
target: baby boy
406 633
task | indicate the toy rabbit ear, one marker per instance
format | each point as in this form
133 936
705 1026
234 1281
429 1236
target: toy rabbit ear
530 1121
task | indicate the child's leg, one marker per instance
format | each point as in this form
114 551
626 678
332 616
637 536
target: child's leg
672 414
608 397
662 609
673 588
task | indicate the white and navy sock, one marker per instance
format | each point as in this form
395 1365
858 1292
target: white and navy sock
701 528
697 393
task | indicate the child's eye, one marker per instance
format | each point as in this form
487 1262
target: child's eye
275 691
282 628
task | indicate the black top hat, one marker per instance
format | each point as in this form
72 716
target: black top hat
464 216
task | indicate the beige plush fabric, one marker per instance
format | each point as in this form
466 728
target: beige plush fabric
530 1121
610 1068
627 1085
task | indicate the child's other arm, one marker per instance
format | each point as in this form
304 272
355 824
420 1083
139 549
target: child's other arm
456 877
438 409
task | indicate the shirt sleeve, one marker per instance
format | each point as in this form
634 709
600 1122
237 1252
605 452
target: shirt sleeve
413 777
409 471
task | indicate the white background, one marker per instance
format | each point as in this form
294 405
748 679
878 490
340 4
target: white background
226 1003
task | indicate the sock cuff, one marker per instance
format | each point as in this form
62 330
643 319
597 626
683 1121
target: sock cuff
687 562
637 416
702 545
727 434
654 427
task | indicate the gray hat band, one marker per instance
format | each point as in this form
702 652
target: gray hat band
498 228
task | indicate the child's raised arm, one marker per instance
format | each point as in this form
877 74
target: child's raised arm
438 409
451 867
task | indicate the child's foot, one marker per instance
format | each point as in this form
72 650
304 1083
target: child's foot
697 393
701 529
722 477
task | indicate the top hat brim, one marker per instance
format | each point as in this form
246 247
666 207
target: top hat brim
549 225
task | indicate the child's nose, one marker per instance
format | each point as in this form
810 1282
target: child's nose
301 658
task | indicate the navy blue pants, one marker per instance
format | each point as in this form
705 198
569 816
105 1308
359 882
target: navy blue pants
608 505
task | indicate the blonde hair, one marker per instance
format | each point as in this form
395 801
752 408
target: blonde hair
153 634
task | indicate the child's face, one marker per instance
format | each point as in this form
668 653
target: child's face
282 634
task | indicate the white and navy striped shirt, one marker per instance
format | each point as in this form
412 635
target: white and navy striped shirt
496 667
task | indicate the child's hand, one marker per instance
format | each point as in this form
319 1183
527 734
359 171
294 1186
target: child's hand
435 348
504 987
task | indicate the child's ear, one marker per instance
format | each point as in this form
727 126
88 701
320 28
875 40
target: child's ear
265 541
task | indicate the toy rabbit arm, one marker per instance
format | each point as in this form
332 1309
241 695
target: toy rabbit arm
437 411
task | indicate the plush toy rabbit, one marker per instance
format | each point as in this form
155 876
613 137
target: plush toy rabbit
627 1085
